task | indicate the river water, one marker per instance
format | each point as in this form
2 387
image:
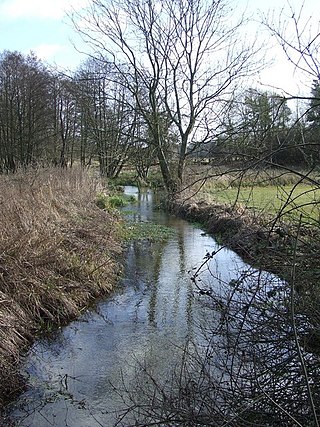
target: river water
74 377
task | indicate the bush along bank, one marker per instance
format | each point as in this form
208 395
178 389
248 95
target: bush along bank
58 253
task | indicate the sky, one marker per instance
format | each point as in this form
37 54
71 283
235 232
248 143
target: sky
42 26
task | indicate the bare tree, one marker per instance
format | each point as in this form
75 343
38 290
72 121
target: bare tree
24 110
64 120
106 115
182 59
299 38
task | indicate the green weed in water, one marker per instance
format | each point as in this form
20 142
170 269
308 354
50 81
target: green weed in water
116 201
120 201
148 230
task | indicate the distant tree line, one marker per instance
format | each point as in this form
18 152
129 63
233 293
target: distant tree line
47 117
262 127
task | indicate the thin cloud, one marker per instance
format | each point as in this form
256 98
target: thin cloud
47 52
43 9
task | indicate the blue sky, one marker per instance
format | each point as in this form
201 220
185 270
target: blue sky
43 27
40 26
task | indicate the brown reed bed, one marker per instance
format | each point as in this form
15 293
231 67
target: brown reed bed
57 254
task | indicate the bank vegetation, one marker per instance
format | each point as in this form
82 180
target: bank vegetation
166 87
57 255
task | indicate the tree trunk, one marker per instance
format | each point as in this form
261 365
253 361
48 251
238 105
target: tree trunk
169 181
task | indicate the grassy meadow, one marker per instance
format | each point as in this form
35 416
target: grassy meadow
266 193
291 201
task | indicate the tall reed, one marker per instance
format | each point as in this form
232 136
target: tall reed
57 251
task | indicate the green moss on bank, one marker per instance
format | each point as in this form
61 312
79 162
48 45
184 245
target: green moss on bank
114 201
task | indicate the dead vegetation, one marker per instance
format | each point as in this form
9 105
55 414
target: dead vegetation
57 254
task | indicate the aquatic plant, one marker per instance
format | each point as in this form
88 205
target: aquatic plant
147 231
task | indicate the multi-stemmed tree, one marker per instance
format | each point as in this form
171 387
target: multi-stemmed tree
178 59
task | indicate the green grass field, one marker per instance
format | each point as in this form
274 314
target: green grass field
267 191
293 200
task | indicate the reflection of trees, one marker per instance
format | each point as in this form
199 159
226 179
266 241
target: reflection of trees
244 369
154 289
162 265
178 298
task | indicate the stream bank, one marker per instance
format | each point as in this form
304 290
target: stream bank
290 252
58 253
260 241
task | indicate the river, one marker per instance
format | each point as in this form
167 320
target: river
75 376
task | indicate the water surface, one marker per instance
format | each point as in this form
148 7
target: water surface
74 375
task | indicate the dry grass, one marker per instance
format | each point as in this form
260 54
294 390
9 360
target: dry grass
233 176
57 252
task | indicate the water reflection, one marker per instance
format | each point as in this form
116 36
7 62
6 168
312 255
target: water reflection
149 319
